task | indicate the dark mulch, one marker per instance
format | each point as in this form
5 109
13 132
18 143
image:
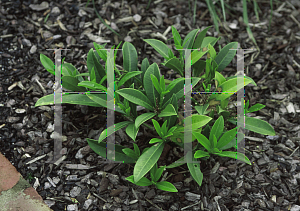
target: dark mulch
271 183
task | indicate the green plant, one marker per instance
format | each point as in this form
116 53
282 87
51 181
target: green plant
148 88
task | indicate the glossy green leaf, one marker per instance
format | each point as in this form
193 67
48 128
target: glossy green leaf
207 40
158 173
258 126
92 85
177 163
200 38
157 127
196 55
130 153
160 47
219 78
144 67
93 62
234 155
247 77
101 53
128 76
100 149
130 57
136 96
176 36
234 141
155 140
203 141
217 129
168 111
194 169
172 119
226 55
202 109
198 121
155 83
164 129
143 118
143 181
149 87
255 107
201 154
166 186
47 63
190 38
147 160
198 68
132 131
136 149
71 83
105 133
175 65
226 138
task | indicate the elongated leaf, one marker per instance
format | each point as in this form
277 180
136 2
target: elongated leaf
166 186
155 83
175 65
168 111
130 153
132 131
198 68
172 119
219 78
202 109
226 55
143 118
234 141
92 85
71 83
93 62
136 96
190 38
149 87
247 77
105 133
157 127
158 173
258 126
127 76
47 63
255 107
100 149
198 121
226 138
143 181
160 47
101 53
176 36
130 57
100 100
196 55
144 67
177 163
211 40
194 169
200 37
217 129
147 160
234 155
203 141
201 154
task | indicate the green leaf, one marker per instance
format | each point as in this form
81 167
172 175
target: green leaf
71 83
202 109
105 133
164 185
189 39
160 47
234 141
158 173
168 111
130 153
132 131
226 138
157 127
235 155
200 37
247 77
156 84
212 51
196 55
100 149
136 149
101 53
144 67
155 140
164 129
162 84
215 141
130 58
219 78
127 76
198 68
172 119
143 118
211 40
258 126
47 63
175 65
136 96
203 141
93 62
177 163
217 129
99 99
176 36
254 108
147 160
201 154
198 121
143 181
92 85
226 55
194 169
151 92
